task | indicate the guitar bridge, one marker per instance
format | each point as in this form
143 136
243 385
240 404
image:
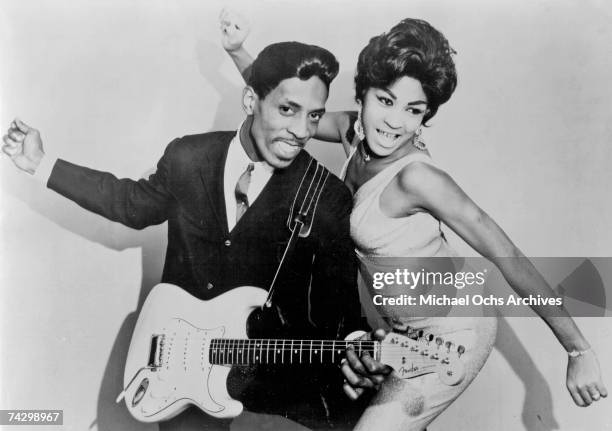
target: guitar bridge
155 351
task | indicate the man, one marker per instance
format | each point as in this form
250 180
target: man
227 197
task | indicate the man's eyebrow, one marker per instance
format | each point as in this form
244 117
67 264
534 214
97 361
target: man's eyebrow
416 102
294 104
297 106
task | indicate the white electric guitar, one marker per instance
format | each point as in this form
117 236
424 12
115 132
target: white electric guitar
183 348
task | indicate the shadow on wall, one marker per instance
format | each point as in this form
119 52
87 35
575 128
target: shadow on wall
537 413
209 59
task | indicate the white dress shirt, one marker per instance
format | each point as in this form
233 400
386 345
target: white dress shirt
43 171
235 165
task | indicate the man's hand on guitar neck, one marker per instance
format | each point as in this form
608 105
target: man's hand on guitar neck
363 372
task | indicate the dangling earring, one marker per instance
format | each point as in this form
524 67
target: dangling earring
358 127
417 141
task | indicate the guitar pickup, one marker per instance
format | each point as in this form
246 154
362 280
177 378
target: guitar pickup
155 351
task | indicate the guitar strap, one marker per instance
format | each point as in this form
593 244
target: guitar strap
302 213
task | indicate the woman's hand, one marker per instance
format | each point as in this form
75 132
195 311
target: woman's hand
584 379
234 29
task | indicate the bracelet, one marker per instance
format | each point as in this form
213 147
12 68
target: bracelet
575 353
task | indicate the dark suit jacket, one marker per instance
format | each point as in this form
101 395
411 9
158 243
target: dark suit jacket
316 294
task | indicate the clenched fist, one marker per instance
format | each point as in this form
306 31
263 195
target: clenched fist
23 145
234 30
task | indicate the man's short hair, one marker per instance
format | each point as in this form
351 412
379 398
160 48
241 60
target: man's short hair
286 60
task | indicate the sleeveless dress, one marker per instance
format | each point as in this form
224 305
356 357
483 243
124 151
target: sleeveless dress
409 404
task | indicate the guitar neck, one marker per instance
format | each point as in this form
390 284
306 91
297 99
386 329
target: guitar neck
224 351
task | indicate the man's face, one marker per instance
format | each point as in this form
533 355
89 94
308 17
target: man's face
287 118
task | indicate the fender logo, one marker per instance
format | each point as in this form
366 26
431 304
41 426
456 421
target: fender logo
403 370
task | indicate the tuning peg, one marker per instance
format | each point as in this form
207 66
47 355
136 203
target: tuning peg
449 345
428 338
460 350
439 341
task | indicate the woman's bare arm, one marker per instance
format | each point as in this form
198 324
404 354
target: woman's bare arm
432 190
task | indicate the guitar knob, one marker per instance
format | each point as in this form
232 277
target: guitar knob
439 341
449 345
460 350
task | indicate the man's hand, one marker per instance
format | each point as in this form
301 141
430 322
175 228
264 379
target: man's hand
363 372
234 29
23 145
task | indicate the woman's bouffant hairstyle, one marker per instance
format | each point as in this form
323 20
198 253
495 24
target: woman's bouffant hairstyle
411 48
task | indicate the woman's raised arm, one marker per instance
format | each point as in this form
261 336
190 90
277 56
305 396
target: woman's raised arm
234 31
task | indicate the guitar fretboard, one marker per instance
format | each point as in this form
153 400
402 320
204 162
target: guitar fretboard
224 351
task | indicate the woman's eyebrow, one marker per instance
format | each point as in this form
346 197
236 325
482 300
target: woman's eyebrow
416 102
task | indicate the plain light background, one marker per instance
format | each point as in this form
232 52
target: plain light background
110 83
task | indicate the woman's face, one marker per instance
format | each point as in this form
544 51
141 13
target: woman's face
392 115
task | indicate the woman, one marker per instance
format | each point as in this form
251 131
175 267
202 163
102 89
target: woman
400 199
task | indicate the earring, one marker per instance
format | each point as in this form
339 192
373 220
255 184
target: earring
417 141
358 127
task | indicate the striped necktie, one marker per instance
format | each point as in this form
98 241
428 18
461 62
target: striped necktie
242 186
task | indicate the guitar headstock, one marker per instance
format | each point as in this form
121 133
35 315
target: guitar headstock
427 354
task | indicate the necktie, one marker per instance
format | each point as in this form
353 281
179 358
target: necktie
242 186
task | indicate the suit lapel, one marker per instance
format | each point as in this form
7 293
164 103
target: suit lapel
279 191
212 178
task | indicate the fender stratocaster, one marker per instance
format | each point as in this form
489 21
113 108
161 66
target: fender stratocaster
182 350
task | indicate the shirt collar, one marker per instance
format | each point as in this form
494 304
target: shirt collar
243 154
